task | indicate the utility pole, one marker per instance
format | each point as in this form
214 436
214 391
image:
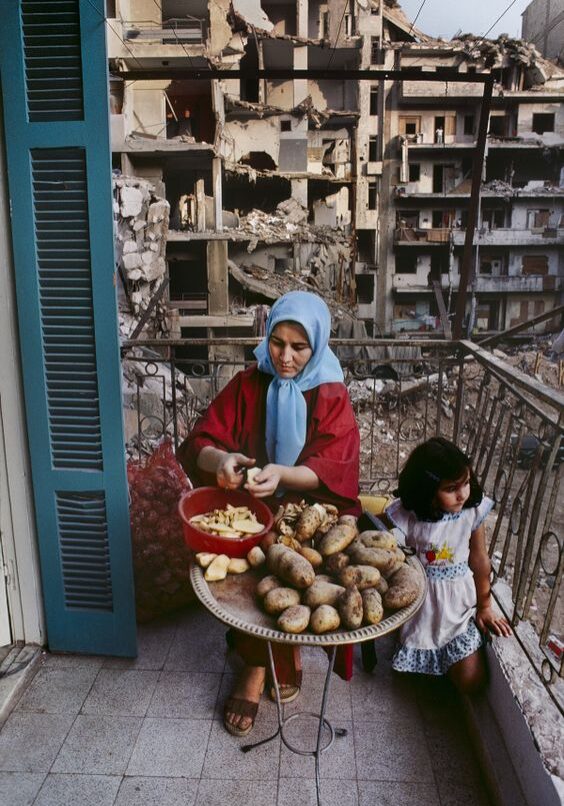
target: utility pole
466 269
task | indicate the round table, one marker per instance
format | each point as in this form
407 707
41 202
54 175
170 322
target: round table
234 602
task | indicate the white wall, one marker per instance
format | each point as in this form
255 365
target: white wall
17 522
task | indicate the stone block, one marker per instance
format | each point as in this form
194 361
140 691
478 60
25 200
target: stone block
131 202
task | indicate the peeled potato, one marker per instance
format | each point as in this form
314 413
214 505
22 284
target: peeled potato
248 527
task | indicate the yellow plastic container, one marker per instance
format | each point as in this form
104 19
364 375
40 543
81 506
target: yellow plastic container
375 504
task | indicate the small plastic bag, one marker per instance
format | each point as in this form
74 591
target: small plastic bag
161 559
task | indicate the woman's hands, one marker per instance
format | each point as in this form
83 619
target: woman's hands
227 467
488 621
266 482
272 476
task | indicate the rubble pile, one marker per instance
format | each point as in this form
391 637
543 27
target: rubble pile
141 225
493 51
288 223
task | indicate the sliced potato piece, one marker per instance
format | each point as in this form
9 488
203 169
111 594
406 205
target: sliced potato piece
217 569
237 565
204 558
248 527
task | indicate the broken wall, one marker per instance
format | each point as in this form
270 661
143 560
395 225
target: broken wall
141 227
280 94
252 135
333 211
144 108
334 95
525 122
282 17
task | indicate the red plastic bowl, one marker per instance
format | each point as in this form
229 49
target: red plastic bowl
205 499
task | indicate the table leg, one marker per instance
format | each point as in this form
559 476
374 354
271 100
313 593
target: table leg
322 721
246 747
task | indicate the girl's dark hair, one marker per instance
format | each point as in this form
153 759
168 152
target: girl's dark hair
427 466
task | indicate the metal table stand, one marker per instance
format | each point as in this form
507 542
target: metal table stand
232 601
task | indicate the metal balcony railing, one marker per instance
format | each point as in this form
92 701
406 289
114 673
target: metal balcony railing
174 31
511 425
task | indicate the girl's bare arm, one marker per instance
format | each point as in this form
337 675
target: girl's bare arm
486 617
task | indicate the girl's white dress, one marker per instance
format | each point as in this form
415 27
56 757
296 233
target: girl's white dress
443 630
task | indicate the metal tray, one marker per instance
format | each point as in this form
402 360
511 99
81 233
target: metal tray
233 601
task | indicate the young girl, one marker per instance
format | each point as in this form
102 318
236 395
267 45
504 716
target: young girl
441 510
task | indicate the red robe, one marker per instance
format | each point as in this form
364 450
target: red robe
235 422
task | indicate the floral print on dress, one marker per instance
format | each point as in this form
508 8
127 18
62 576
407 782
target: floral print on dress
439 555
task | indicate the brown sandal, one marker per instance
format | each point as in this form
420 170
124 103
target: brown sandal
239 707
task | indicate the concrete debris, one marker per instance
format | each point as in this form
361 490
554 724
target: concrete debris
287 224
271 285
251 13
141 226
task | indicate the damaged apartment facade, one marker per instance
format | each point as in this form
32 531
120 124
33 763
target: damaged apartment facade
356 189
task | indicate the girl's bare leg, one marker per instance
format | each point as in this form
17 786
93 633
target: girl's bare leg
470 674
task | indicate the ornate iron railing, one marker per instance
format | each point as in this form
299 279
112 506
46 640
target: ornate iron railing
403 392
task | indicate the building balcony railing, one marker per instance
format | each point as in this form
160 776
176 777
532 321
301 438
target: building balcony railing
149 39
455 389
175 30
415 235
541 236
522 285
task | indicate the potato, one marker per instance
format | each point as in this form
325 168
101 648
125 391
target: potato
266 584
321 592
363 576
372 606
312 555
399 560
279 599
311 518
290 566
268 540
337 539
350 520
381 586
290 542
349 606
374 539
252 473
204 558
237 565
217 569
404 588
382 559
336 562
294 619
324 619
256 556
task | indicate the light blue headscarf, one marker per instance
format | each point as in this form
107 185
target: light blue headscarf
286 409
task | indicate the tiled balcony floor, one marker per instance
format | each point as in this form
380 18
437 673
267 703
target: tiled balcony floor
91 731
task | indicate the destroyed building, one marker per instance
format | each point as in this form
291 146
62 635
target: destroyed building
543 25
356 189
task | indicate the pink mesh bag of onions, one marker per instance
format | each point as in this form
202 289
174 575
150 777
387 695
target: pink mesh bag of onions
161 559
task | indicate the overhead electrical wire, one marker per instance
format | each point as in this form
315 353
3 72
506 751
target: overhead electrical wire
417 16
334 48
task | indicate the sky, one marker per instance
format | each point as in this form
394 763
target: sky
446 17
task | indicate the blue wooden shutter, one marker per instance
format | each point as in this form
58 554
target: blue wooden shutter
53 74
